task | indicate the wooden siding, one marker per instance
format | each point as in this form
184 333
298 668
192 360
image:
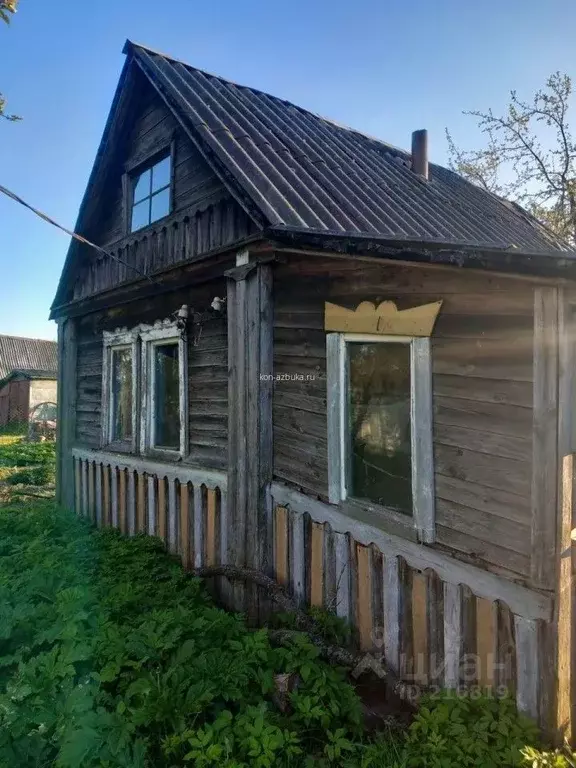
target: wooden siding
207 370
204 216
482 362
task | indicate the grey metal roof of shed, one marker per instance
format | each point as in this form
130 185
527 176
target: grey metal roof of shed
21 354
304 172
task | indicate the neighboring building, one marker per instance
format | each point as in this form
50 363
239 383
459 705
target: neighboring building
28 376
378 411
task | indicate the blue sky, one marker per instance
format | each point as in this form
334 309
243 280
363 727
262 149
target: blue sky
384 67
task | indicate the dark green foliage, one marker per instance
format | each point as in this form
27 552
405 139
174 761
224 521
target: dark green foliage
41 475
20 454
110 656
454 731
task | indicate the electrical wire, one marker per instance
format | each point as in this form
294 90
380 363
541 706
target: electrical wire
80 239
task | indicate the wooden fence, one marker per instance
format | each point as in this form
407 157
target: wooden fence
183 506
434 619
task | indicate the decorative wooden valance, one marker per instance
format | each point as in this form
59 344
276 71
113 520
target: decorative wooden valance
385 319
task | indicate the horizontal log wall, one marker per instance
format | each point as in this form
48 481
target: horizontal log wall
482 357
207 370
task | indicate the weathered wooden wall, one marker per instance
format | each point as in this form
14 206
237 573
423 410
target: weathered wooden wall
207 369
14 401
482 354
435 621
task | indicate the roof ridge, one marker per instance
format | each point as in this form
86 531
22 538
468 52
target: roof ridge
342 126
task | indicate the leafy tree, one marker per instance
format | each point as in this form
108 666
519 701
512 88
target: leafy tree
529 156
7 9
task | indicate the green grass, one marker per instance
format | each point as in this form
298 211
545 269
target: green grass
24 464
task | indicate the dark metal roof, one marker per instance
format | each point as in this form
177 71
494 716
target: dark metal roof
301 171
27 356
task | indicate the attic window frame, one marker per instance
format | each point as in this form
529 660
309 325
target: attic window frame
133 170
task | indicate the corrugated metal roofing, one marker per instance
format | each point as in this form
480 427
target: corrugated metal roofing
303 171
36 355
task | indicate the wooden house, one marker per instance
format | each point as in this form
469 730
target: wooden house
28 376
306 351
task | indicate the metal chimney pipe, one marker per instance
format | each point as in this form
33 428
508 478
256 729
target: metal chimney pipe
420 153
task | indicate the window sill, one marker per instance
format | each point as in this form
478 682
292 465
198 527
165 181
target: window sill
120 447
387 520
163 454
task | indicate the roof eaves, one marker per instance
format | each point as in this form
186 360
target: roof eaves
504 258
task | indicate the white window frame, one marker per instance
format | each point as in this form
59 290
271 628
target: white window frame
150 339
118 340
423 512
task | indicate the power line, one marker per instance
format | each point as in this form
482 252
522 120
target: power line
80 239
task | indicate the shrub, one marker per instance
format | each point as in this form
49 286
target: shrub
42 475
454 731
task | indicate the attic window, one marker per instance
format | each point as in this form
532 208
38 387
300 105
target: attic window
150 194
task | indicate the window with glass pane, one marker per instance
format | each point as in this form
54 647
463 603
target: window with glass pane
121 394
151 199
166 412
379 461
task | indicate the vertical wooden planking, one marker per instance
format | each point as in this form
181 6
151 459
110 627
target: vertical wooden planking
527 667
114 494
342 552
224 527
297 557
141 504
452 634
91 492
106 495
281 542
565 641
122 500
392 609
545 441
199 527
364 615
468 648
185 524
317 565
419 628
85 488
162 507
151 506
98 494
131 503
486 638
77 486
210 526
172 517
505 671
435 628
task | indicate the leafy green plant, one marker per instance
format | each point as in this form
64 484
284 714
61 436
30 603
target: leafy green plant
559 758
41 475
454 731
111 655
